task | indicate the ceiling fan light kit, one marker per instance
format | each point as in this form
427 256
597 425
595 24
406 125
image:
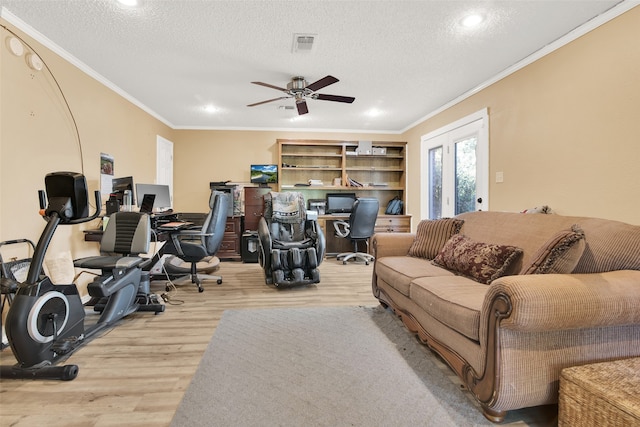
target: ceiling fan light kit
299 90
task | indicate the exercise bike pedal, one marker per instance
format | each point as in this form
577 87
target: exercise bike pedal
67 345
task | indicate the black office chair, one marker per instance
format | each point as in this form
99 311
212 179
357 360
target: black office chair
291 245
199 246
360 227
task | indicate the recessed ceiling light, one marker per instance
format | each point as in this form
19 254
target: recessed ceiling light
472 21
374 112
129 3
210 109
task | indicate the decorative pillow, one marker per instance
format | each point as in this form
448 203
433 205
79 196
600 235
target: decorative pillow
431 236
482 262
560 254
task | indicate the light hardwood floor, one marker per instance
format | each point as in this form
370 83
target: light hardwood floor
136 373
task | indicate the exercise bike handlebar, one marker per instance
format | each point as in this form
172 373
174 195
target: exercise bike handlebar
96 214
63 209
54 216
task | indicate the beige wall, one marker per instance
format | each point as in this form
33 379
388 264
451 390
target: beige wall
38 136
564 131
204 156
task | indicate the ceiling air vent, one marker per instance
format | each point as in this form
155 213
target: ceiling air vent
303 42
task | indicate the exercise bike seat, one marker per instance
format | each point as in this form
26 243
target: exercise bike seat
109 263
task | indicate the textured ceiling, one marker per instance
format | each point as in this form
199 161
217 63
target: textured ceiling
404 59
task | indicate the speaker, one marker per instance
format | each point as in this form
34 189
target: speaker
67 194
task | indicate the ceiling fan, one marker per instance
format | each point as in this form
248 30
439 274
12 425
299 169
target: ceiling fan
300 90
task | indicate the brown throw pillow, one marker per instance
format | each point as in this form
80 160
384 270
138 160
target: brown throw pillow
482 262
431 236
560 254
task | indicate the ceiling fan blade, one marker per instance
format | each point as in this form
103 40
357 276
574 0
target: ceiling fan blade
302 107
270 100
323 82
336 98
271 86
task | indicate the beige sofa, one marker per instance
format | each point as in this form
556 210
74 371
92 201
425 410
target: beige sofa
508 339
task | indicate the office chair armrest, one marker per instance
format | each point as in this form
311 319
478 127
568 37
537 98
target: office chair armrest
342 228
193 233
175 241
186 236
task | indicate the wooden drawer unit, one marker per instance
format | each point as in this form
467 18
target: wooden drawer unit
230 246
393 223
253 206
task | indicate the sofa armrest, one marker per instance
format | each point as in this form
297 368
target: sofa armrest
546 302
391 244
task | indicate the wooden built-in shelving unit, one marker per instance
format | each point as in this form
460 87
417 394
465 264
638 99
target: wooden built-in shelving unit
382 175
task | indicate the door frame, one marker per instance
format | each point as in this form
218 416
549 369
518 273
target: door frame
482 153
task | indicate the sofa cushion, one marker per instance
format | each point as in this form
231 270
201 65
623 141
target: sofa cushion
559 255
455 301
610 245
483 262
431 236
527 232
399 271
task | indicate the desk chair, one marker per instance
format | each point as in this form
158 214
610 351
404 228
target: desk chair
198 247
360 226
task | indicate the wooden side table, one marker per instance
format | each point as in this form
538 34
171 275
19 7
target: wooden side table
600 394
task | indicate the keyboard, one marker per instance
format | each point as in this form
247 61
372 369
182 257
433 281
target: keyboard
175 225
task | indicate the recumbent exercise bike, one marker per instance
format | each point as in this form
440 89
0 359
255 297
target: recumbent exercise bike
46 322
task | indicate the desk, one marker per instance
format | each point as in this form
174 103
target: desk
384 224
95 235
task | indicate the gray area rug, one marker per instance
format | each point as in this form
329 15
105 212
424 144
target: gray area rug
343 366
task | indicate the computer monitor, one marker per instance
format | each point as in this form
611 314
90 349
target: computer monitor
340 202
119 185
162 193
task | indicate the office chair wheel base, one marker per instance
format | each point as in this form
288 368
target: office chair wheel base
200 290
219 281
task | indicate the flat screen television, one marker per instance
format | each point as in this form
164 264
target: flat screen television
264 174
340 202
162 200
119 185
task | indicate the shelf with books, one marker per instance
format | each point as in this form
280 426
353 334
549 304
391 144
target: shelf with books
333 163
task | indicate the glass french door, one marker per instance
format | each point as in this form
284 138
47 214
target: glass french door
455 165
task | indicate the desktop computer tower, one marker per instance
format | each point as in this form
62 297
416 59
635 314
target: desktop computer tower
218 186
250 247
